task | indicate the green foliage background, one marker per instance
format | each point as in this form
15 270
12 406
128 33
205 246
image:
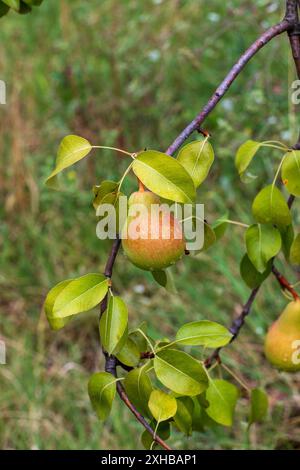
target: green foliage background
130 74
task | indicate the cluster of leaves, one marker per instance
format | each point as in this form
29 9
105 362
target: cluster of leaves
168 385
20 6
273 230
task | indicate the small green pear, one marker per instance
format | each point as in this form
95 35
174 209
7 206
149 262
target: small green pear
282 343
152 238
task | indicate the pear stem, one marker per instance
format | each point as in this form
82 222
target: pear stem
141 186
284 283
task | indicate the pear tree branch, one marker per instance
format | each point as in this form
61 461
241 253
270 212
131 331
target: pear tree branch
288 24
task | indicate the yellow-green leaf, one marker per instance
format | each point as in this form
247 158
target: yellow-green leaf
262 242
55 323
270 207
80 295
222 397
164 176
113 325
203 333
290 172
180 372
197 158
162 405
259 406
138 388
71 149
245 154
102 390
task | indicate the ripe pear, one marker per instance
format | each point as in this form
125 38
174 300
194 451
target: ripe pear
282 343
153 238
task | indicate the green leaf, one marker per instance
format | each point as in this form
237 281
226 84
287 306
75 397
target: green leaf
3 9
263 242
245 154
162 430
138 388
180 372
197 158
250 275
14 4
164 176
102 390
259 406
287 238
295 251
165 279
198 416
222 397
184 415
162 405
105 188
80 295
220 225
270 207
113 325
71 149
24 8
203 333
55 323
129 354
138 338
290 172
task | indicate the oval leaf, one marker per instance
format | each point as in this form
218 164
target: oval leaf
113 325
245 154
162 405
197 158
270 207
259 406
55 323
203 333
71 149
184 415
80 295
102 390
222 397
250 275
138 388
129 354
263 242
164 176
290 172
295 251
180 372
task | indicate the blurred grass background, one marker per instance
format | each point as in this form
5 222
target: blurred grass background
129 74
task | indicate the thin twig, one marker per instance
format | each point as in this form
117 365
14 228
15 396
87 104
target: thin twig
110 366
266 37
